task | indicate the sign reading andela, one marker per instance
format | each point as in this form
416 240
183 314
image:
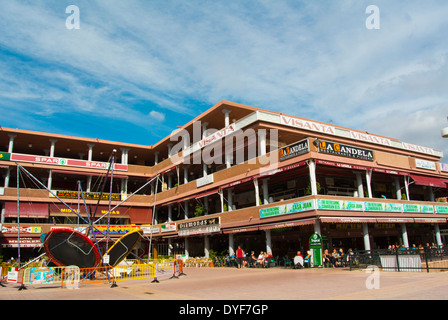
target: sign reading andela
343 150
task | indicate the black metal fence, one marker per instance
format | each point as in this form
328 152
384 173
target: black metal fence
401 259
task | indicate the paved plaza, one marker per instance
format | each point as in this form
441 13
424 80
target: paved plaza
255 284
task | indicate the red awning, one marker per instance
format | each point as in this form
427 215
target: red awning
428 181
27 210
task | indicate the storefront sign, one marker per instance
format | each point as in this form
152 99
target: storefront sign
15 229
324 204
66 162
5 156
316 244
287 208
168 227
217 136
370 138
441 209
24 242
307 125
343 150
113 229
294 150
425 164
203 226
204 180
383 207
86 195
443 167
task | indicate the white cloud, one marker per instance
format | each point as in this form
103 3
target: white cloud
311 59
157 115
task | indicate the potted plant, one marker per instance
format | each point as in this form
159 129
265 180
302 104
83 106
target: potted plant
212 256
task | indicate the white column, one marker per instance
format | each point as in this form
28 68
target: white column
359 183
257 192
204 129
230 199
170 213
265 191
261 142
365 232
186 209
50 174
170 146
404 234
313 180
437 232
187 247
317 227
89 158
206 246
406 187
226 117
268 241
11 142
369 183
231 244
397 188
185 174
156 157
170 246
221 197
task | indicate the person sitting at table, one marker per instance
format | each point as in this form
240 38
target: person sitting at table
260 259
298 261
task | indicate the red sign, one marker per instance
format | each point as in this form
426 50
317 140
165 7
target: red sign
67 162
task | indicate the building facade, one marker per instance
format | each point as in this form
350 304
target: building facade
234 175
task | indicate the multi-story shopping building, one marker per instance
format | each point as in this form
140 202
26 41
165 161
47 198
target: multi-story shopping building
234 175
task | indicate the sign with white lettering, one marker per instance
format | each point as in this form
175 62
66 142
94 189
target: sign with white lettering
294 150
203 226
345 150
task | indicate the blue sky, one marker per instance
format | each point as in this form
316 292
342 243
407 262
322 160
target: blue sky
135 70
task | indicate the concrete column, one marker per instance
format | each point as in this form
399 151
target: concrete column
170 146
170 247
206 204
11 142
257 192
317 227
50 174
369 183
397 188
268 241
261 142
313 180
231 244
221 197
185 174
230 199
406 187
187 248
156 157
186 209
124 155
437 232
404 234
170 213
431 194
89 158
226 117
206 246
359 184
365 232
204 129
265 191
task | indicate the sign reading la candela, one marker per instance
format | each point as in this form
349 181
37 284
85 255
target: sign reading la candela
294 150
345 150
